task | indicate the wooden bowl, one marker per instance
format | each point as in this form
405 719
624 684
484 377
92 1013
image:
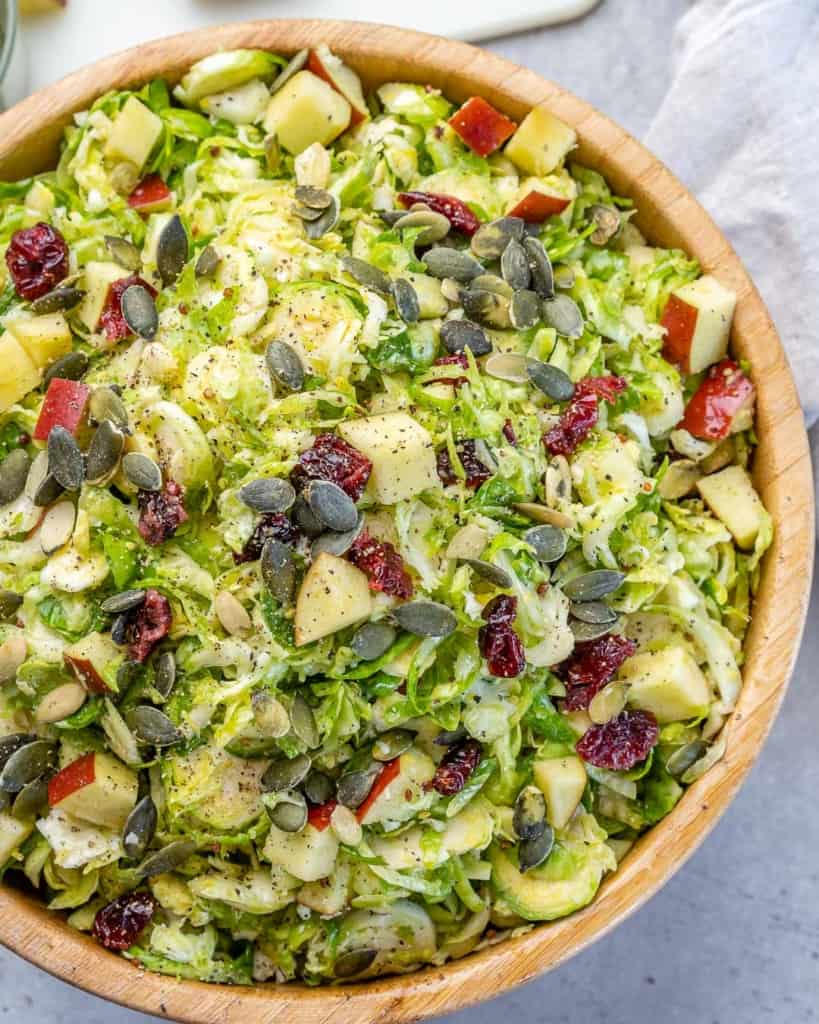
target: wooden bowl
669 216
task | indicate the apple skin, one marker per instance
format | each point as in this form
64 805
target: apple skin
390 771
151 195
74 776
712 411
680 321
697 320
481 127
87 674
64 405
317 66
537 206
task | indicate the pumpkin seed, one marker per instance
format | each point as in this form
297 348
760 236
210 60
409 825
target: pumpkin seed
31 801
679 479
71 366
14 470
105 404
406 300
290 812
391 217
564 315
268 494
295 64
124 602
313 198
331 505
529 819
596 613
326 222
345 825
551 380
9 603
451 291
533 852
252 747
207 262
607 223
608 703
48 491
366 274
319 788
231 614
353 962
392 744
284 365
269 715
433 226
564 277
426 618
58 526
493 283
278 568
486 570
140 828
150 725
445 262
26 764
593 585
304 518
507 366
12 743
459 335
171 251
104 452
307 213
448 737
139 311
540 267
684 757
12 655
490 240
549 542
373 639
169 858
335 543
123 252
524 310
285 773
489 307
543 514
142 472
57 301
303 722
514 265
65 461
272 153
354 787
165 674
586 631
119 629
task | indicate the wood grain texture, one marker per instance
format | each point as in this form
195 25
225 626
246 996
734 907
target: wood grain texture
669 215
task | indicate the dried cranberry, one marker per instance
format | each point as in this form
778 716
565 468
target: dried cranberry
333 459
620 743
119 924
591 666
508 432
498 642
382 564
476 472
160 513
581 414
455 767
456 212
112 322
456 359
271 526
37 259
147 625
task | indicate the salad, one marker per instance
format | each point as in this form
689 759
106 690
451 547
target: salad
377 541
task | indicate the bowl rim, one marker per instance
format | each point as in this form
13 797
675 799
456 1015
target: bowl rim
782 470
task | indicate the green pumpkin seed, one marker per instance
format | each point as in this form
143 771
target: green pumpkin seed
488 307
549 542
540 267
169 858
268 494
295 64
305 520
165 674
285 773
433 226
392 744
307 213
529 819
373 639
445 262
104 452
270 715
543 514
139 311
65 461
426 618
608 703
564 315
150 725
366 274
515 265
12 743
584 632
354 787
335 543
313 198
551 380
406 300
524 310
58 301
290 812
27 763
353 962
607 223
492 283
14 470
490 240
596 613
140 828
448 737
124 602
9 604
278 568
31 801
319 788
492 573
533 852
284 365
58 526
326 222
252 747
331 505
71 366
142 472
508 366
171 251
593 585
48 492
459 335
684 757
303 722
123 252
105 404
207 262
272 153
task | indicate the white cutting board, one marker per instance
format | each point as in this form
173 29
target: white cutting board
90 29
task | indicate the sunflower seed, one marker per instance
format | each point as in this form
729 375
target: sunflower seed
268 494
335 543
285 773
304 518
313 198
406 300
549 542
9 603
139 311
426 618
171 251
593 585
551 380
366 274
294 65
595 613
434 226
326 222
540 267
532 852
104 452
140 828
105 404
26 764
685 756
507 366
57 301
71 366
331 505
303 722
354 787
490 240
353 962
489 308
290 812
563 314
284 365
373 639
123 252
270 715
492 573
543 514
58 526
124 602
524 310
445 262
278 568
458 335
165 674
529 819
167 859
65 461
142 472
392 744
608 703
514 265
150 725
584 632
14 470
319 788
607 222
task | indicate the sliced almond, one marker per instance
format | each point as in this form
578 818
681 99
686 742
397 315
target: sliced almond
58 526
468 542
60 703
608 703
345 825
231 614
12 655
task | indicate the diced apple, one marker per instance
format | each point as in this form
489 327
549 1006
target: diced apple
19 375
133 134
98 276
306 110
731 496
150 195
536 202
333 594
44 338
88 659
562 780
401 451
307 855
723 404
403 787
541 142
96 788
483 128
13 834
668 683
64 405
697 321
344 80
